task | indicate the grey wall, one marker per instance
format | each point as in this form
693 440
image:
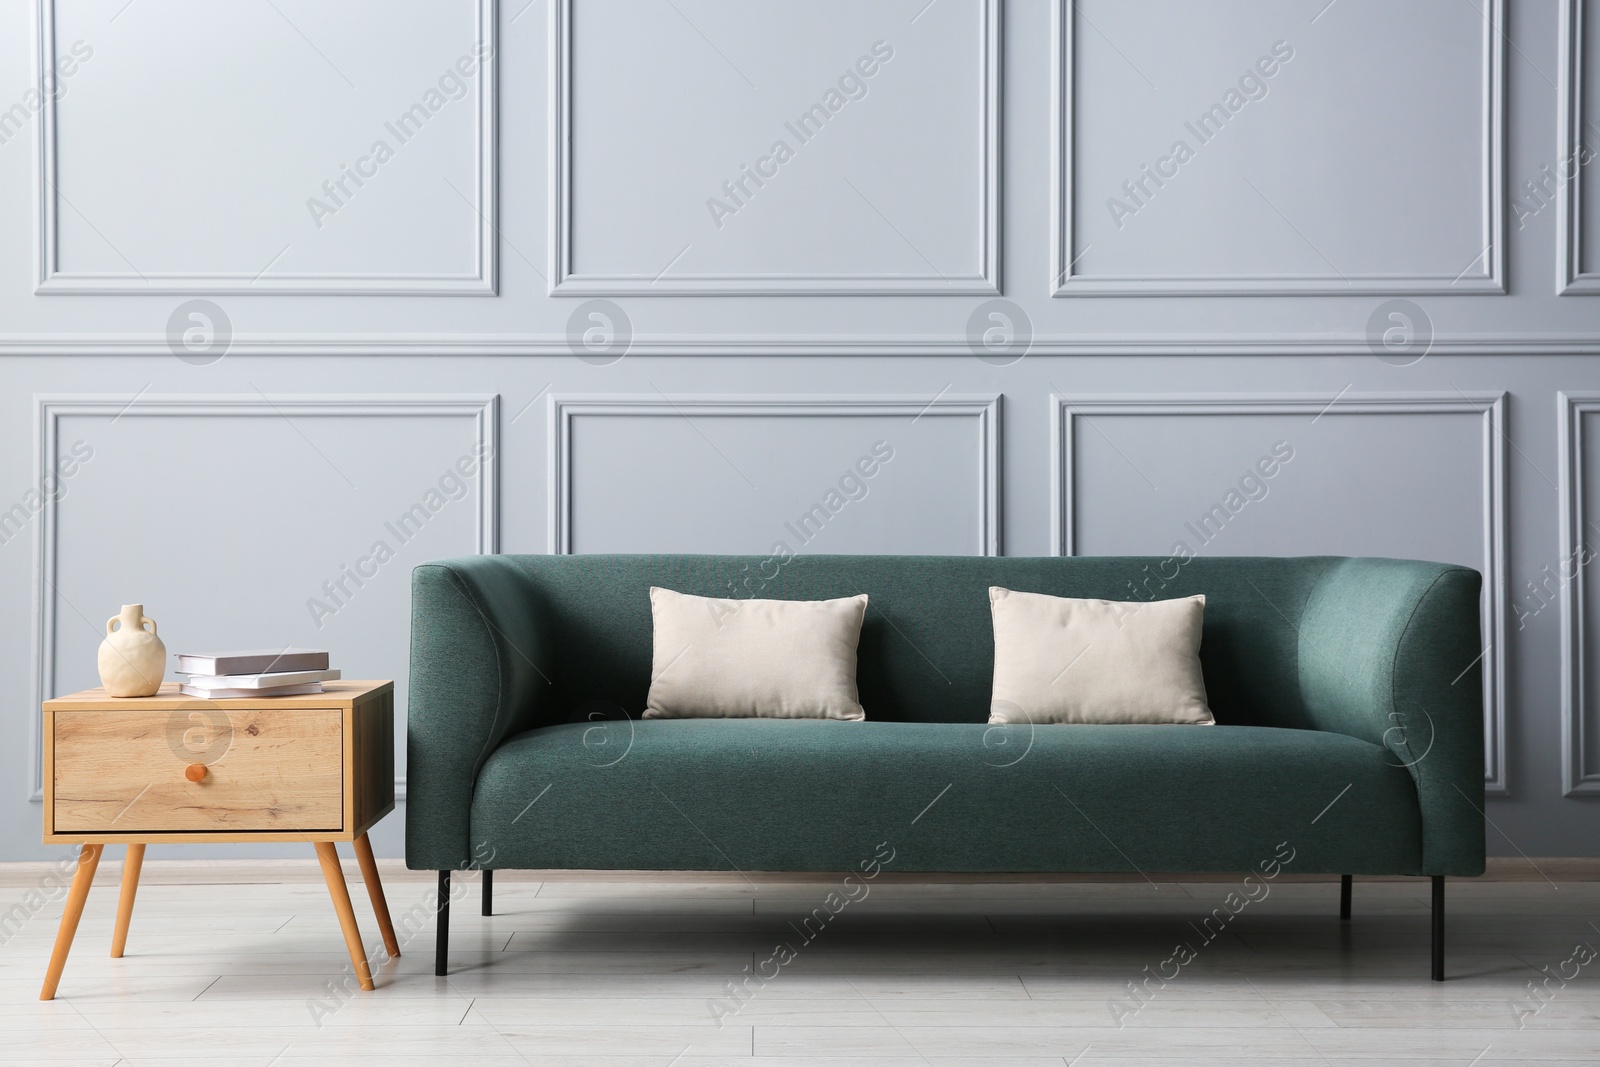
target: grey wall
1155 338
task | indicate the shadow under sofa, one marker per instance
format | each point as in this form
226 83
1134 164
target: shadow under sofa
1347 693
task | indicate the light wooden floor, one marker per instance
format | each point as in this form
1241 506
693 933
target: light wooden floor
239 965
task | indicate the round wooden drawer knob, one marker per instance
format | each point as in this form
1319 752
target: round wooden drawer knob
195 772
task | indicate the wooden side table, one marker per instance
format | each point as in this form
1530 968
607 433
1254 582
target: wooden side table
172 768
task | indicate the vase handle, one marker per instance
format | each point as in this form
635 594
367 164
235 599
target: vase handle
145 620
111 624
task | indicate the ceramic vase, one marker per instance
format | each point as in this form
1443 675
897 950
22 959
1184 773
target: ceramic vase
132 659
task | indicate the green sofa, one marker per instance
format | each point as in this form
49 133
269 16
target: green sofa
1347 695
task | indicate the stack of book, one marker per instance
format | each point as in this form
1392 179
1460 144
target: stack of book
258 672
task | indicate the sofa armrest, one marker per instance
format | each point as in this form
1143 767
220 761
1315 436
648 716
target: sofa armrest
479 673
1390 652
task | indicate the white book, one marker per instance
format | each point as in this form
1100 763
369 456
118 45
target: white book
261 681
253 660
275 691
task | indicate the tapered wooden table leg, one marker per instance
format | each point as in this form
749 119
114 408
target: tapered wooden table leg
130 886
88 860
380 906
334 874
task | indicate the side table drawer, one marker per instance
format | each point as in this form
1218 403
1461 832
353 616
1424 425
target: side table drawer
124 771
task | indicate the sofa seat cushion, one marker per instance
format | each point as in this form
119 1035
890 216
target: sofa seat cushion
785 795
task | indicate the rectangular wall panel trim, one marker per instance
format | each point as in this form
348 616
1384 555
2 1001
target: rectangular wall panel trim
50 279
1570 143
984 410
483 410
985 281
1064 283
369 345
1488 407
1577 779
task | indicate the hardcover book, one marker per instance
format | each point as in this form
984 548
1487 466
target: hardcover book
253 661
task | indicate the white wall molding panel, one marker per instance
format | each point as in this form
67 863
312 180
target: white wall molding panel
278 173
928 456
882 179
1570 582
1570 182
1237 175
1316 497
209 508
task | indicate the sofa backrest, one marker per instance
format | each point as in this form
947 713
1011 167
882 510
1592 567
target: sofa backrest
927 647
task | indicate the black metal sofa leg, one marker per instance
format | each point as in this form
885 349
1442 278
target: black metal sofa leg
441 946
488 892
1438 928
1344 897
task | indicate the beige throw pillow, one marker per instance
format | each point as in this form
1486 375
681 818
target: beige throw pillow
754 659
1060 660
